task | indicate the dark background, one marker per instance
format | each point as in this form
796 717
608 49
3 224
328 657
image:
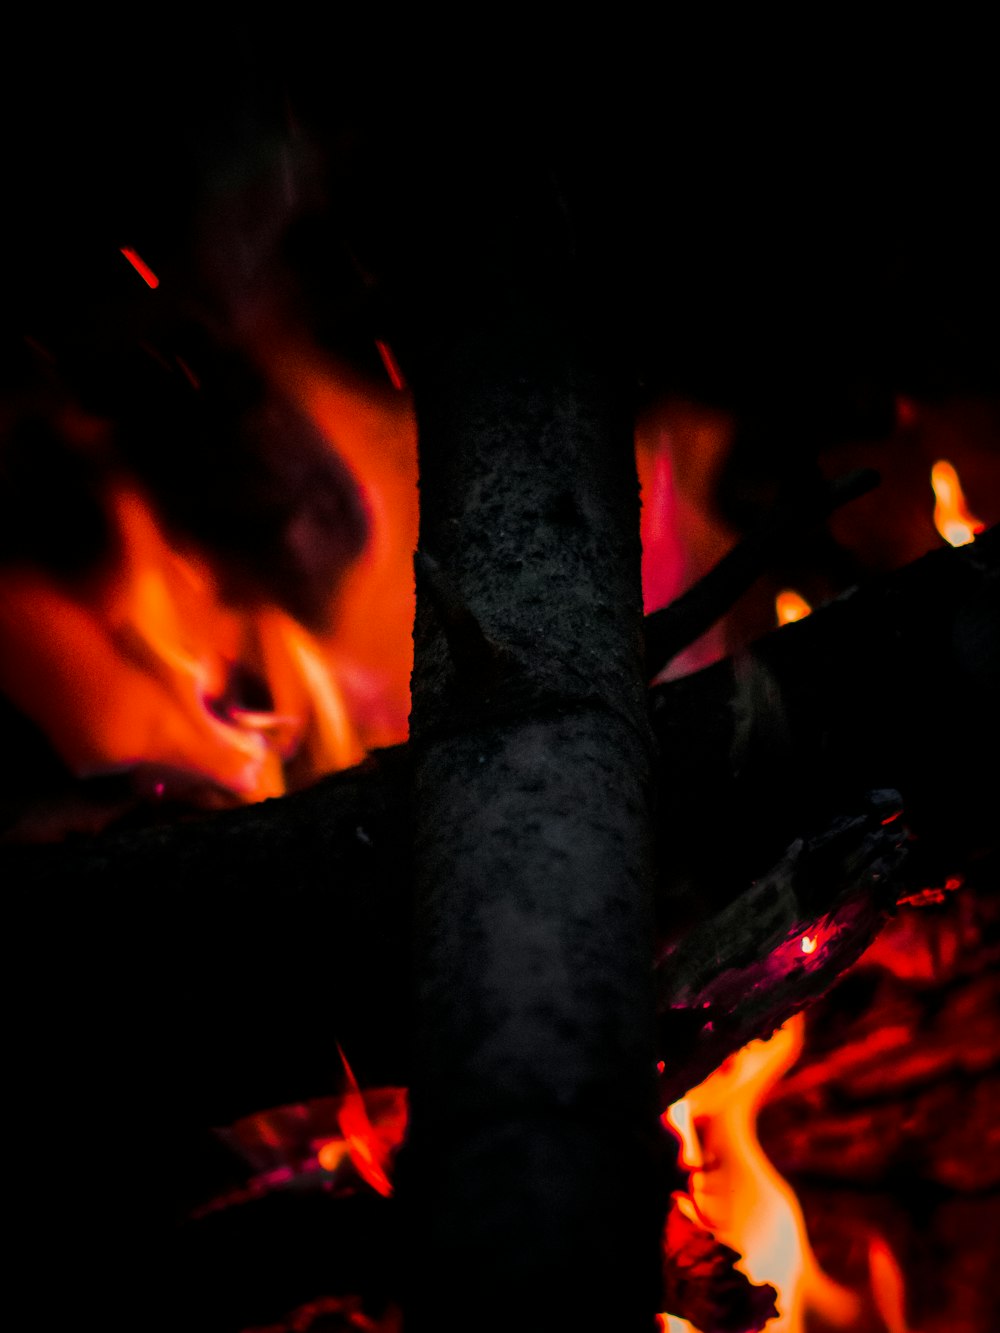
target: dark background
771 215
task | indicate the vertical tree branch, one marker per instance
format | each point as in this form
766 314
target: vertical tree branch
531 1180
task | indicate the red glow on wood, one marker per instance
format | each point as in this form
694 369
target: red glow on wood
141 267
391 364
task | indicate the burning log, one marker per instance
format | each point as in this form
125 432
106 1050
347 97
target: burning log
237 904
752 759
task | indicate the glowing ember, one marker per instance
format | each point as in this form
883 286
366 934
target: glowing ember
809 943
951 513
391 364
789 606
141 267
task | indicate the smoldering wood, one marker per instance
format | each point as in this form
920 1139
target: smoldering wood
889 1114
259 937
750 966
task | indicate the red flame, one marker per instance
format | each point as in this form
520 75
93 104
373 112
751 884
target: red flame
368 1150
141 267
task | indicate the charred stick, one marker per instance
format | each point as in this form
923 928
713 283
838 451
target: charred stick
741 973
533 1132
673 628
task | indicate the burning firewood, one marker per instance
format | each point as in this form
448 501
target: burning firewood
250 943
219 872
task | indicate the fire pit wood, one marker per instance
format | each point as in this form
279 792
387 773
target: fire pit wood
745 970
892 685
533 1145
249 961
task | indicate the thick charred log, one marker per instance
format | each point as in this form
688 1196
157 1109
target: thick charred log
533 1132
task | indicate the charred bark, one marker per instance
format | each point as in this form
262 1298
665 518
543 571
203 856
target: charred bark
533 1141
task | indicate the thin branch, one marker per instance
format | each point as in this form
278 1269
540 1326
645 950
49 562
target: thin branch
673 628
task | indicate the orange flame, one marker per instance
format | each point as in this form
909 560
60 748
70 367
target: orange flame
737 1194
952 517
374 432
135 670
790 606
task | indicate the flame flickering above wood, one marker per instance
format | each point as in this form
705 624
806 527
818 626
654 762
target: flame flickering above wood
736 1193
952 517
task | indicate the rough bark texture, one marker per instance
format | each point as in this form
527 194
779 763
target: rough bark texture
534 1130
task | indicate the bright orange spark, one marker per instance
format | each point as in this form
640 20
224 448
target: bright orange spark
391 364
789 606
951 513
331 1154
809 943
141 267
